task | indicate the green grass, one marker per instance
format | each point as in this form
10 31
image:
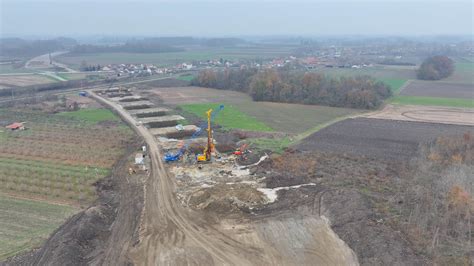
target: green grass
25 224
229 118
435 101
92 115
186 77
293 118
277 145
72 76
393 83
465 66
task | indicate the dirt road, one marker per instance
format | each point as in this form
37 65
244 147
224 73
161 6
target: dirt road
172 235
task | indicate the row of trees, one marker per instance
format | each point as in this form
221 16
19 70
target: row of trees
295 87
435 68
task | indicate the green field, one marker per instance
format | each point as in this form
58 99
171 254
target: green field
394 84
25 224
435 101
293 118
463 72
173 58
229 118
186 77
91 115
72 76
10 69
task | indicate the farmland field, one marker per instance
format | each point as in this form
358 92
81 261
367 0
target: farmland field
26 223
462 72
282 117
230 117
433 101
172 58
10 69
377 138
72 76
56 160
378 72
186 77
394 84
91 115
439 89
59 157
24 80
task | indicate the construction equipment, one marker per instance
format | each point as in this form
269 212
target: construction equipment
169 157
206 155
242 150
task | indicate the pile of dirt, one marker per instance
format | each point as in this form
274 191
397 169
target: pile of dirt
102 233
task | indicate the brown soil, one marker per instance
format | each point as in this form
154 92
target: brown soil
429 114
185 95
87 237
23 80
377 137
439 89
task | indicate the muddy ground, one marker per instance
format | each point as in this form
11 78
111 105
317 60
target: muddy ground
439 89
377 138
102 233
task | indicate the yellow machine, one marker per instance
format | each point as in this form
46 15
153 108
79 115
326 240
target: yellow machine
206 155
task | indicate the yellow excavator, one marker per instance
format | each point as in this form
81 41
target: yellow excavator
206 155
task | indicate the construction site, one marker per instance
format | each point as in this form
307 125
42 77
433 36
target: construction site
203 200
190 189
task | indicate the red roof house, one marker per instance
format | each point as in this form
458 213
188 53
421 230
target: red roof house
16 126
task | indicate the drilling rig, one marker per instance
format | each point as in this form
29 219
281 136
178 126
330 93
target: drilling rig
207 154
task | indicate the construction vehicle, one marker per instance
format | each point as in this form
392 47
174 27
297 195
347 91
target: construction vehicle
242 150
206 155
169 157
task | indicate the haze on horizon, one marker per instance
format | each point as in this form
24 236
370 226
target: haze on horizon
228 18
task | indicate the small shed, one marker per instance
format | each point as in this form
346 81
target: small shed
16 126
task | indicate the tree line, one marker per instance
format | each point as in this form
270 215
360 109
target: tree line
435 68
298 87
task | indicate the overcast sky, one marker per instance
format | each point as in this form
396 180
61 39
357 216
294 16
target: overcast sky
234 18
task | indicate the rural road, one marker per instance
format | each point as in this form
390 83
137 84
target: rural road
169 234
